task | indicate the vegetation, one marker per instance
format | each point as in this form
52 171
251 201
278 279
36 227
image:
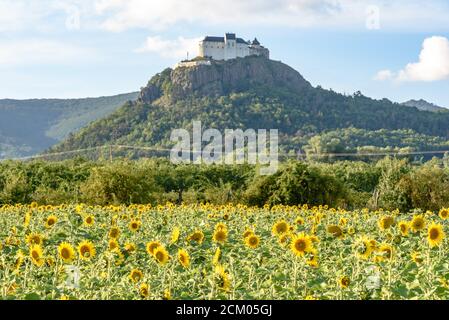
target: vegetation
174 98
388 183
221 252
28 127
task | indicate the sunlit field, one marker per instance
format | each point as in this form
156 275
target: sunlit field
221 252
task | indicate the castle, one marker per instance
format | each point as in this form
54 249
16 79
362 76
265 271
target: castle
230 47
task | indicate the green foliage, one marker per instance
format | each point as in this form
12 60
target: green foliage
388 194
390 183
30 126
360 141
426 187
120 182
297 183
298 112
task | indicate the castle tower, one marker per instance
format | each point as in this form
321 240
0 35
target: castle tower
230 46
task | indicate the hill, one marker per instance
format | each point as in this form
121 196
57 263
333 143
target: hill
28 127
423 105
251 92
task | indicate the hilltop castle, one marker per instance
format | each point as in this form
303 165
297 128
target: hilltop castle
230 47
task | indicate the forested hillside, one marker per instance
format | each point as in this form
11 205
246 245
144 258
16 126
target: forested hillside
254 92
30 126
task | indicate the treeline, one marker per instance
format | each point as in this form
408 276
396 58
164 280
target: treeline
389 183
354 140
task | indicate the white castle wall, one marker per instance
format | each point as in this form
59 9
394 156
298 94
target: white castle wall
230 49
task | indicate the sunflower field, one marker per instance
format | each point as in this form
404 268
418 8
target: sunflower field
221 252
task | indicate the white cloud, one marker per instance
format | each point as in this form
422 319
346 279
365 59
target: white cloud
38 51
384 75
171 48
120 15
433 64
15 15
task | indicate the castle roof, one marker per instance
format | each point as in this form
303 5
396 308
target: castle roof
256 42
222 39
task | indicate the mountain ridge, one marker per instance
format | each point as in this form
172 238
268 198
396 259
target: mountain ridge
251 92
424 105
30 126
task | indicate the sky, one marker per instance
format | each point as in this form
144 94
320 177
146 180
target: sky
395 49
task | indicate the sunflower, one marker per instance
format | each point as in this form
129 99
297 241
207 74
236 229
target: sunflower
221 226
135 275
134 225
403 228
435 235
224 282
312 258
86 250
386 252
418 223
144 290
20 257
113 244
175 235
220 236
364 247
36 255
284 238
417 257
89 221
335 231
344 282
130 247
248 232
50 221
385 222
280 227
252 241
217 257
152 246
66 252
444 213
50 261
34 238
161 255
184 258
197 236
27 219
114 233
301 244
299 221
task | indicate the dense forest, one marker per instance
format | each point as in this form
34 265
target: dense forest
28 127
389 183
258 93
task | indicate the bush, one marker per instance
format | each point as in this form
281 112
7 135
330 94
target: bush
119 183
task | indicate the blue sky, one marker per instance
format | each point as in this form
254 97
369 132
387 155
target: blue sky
78 48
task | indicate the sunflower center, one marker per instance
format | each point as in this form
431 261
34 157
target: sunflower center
85 252
65 253
434 234
300 245
159 255
35 254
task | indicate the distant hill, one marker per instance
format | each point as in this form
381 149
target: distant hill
28 127
251 92
423 105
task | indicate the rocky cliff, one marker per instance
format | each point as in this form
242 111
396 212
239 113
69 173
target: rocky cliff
222 78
